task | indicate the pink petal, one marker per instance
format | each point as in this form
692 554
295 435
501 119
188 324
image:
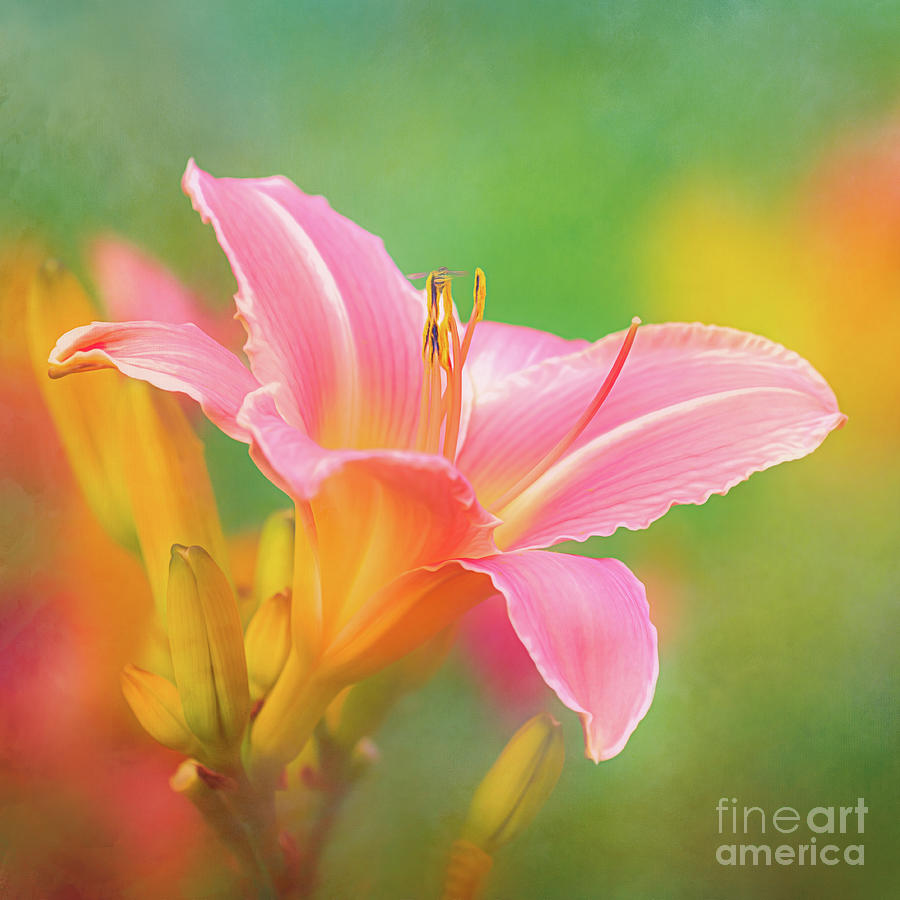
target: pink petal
330 319
719 403
586 624
683 454
171 357
498 350
136 287
376 514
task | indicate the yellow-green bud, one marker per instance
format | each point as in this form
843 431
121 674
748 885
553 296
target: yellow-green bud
517 785
171 495
268 642
157 706
207 649
83 409
275 557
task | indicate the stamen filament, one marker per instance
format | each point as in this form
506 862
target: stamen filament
433 434
454 393
575 432
467 340
424 407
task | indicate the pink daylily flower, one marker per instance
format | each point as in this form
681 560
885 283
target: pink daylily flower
417 507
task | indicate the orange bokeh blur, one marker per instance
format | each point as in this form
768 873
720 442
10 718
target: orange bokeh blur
83 790
820 274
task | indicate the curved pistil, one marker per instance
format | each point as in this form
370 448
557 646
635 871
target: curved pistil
575 431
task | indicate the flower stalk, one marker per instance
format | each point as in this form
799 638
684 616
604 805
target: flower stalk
467 871
193 783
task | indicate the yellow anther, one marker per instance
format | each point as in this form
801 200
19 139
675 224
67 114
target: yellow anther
436 334
426 339
432 292
443 343
479 293
478 296
447 298
433 345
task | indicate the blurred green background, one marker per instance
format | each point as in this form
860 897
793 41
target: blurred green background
545 142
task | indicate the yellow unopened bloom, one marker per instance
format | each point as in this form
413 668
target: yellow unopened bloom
508 798
275 558
517 785
157 706
134 453
172 499
207 649
82 409
267 643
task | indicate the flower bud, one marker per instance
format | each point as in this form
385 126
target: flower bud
157 706
275 556
83 409
267 643
207 648
517 785
171 496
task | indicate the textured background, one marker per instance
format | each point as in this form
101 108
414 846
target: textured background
734 162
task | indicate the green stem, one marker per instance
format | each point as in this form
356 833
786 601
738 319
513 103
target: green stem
231 813
255 812
337 772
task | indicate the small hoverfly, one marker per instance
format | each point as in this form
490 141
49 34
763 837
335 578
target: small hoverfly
439 278
441 274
